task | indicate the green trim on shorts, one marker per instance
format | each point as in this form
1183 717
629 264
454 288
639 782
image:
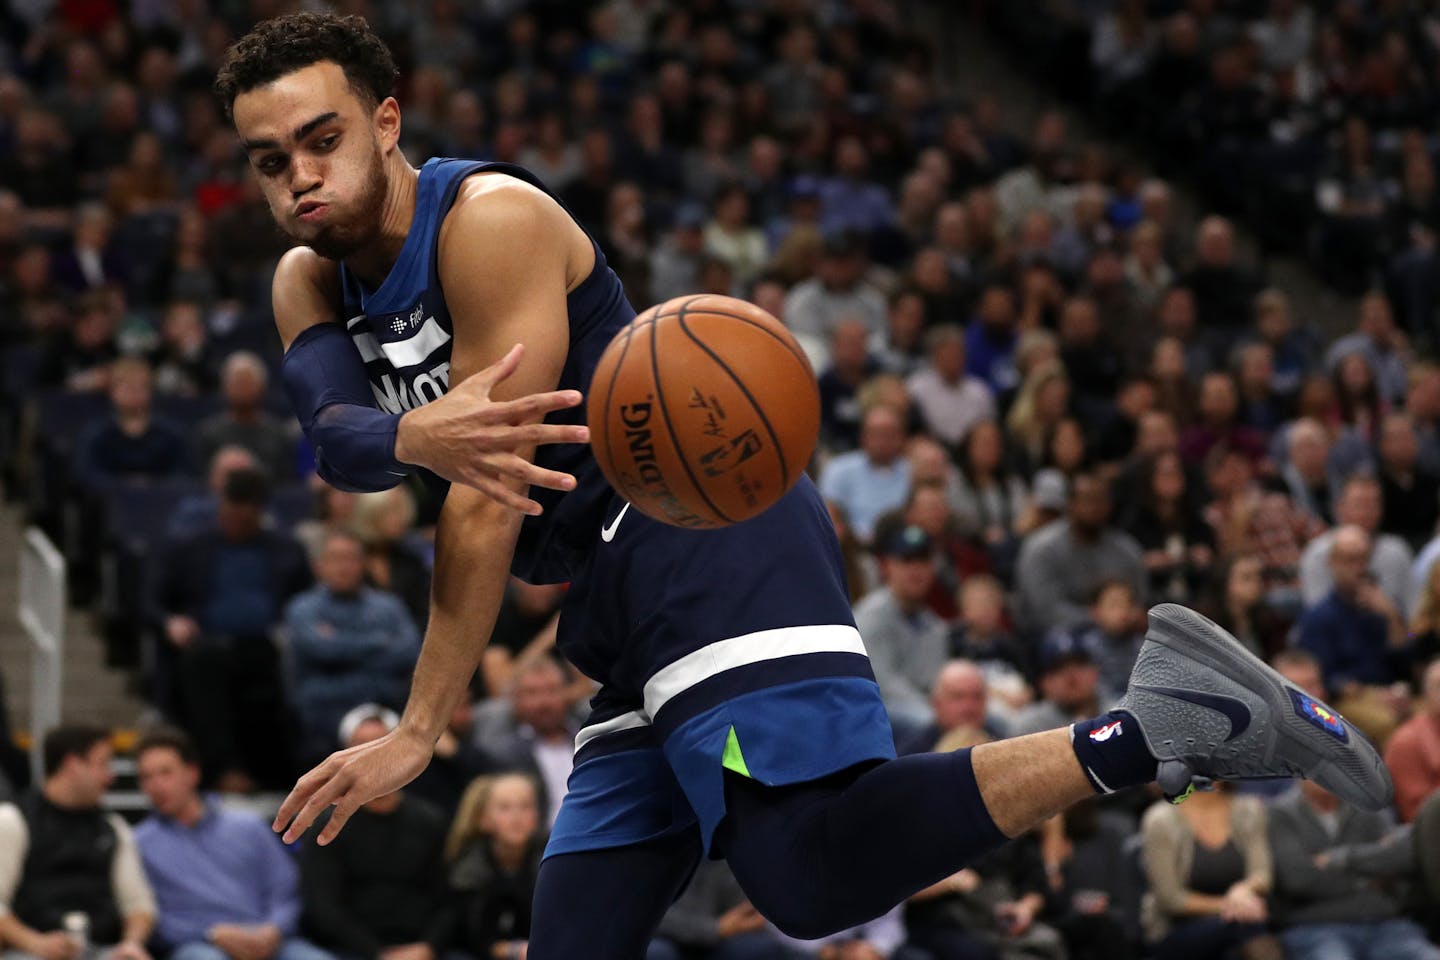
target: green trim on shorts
734 759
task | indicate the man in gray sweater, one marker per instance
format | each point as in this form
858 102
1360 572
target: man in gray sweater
1332 861
907 642
1061 564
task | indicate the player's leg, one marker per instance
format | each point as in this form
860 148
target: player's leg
1198 704
606 904
824 855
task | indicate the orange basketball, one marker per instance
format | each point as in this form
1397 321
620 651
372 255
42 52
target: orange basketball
703 411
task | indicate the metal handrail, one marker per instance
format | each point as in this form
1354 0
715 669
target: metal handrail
42 616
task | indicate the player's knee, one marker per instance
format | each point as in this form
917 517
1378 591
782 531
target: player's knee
795 915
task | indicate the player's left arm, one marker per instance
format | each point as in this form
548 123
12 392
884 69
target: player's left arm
505 266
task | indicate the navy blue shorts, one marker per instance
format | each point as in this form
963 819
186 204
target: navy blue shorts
715 649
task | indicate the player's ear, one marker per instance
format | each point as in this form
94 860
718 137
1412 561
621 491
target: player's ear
387 123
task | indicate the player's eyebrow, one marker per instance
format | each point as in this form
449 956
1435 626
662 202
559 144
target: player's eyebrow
301 132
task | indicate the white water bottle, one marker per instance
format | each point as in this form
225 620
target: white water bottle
76 925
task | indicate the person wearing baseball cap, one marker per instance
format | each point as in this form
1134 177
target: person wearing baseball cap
1069 684
907 642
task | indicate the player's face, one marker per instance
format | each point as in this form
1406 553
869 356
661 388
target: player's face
318 153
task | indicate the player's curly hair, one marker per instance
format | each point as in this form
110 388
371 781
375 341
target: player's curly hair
286 44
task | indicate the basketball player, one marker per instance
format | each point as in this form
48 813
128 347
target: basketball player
738 715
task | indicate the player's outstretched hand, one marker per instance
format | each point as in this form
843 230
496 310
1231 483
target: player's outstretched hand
348 780
468 438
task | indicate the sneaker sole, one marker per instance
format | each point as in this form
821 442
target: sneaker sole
1253 724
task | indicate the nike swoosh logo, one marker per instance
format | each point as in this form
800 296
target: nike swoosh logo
1236 711
607 532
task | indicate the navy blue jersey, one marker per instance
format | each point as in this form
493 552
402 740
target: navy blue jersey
405 335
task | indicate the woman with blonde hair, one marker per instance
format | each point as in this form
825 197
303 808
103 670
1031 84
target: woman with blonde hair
494 851
384 521
1425 622
1039 407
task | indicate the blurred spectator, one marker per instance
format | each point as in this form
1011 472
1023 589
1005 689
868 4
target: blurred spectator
1112 633
1380 342
1208 863
131 444
334 511
849 201
1359 506
957 703
1413 754
1043 401
395 556
675 261
990 498
1249 519
531 729
1060 565
244 421
1223 291
1178 545
91 261
347 644
1291 349
183 359
1357 635
905 639
950 400
1236 602
219 594
493 853
1326 908
868 482
713 920
198 512
1306 473
981 635
850 365
1425 619
378 889
1093 881
992 908
956 557
1069 686
1117 437
1410 493
837 291
732 236
14 764
1219 422
1261 408
60 852
1092 363
900 350
226 887
991 340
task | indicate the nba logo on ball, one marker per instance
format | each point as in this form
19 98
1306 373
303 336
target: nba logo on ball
703 411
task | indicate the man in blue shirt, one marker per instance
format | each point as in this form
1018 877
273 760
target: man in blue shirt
226 889
1355 632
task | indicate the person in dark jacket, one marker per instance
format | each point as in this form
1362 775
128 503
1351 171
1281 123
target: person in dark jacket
494 851
378 891
219 596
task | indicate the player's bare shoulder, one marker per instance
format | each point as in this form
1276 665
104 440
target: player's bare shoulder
506 220
305 291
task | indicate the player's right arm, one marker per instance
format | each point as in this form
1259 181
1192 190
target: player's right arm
465 436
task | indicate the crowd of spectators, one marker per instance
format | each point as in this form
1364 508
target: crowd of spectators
1047 403
1312 118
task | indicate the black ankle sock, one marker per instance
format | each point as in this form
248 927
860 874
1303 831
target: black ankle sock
1112 752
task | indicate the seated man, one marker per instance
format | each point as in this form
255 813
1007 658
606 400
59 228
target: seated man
348 643
1336 907
1069 685
60 853
712 920
378 892
958 699
131 443
225 886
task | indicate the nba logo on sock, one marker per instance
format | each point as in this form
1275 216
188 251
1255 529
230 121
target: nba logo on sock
1320 715
1111 729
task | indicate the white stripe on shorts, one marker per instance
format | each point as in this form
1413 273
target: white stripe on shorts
626 721
723 655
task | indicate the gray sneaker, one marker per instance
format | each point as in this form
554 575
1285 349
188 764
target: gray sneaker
1208 708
